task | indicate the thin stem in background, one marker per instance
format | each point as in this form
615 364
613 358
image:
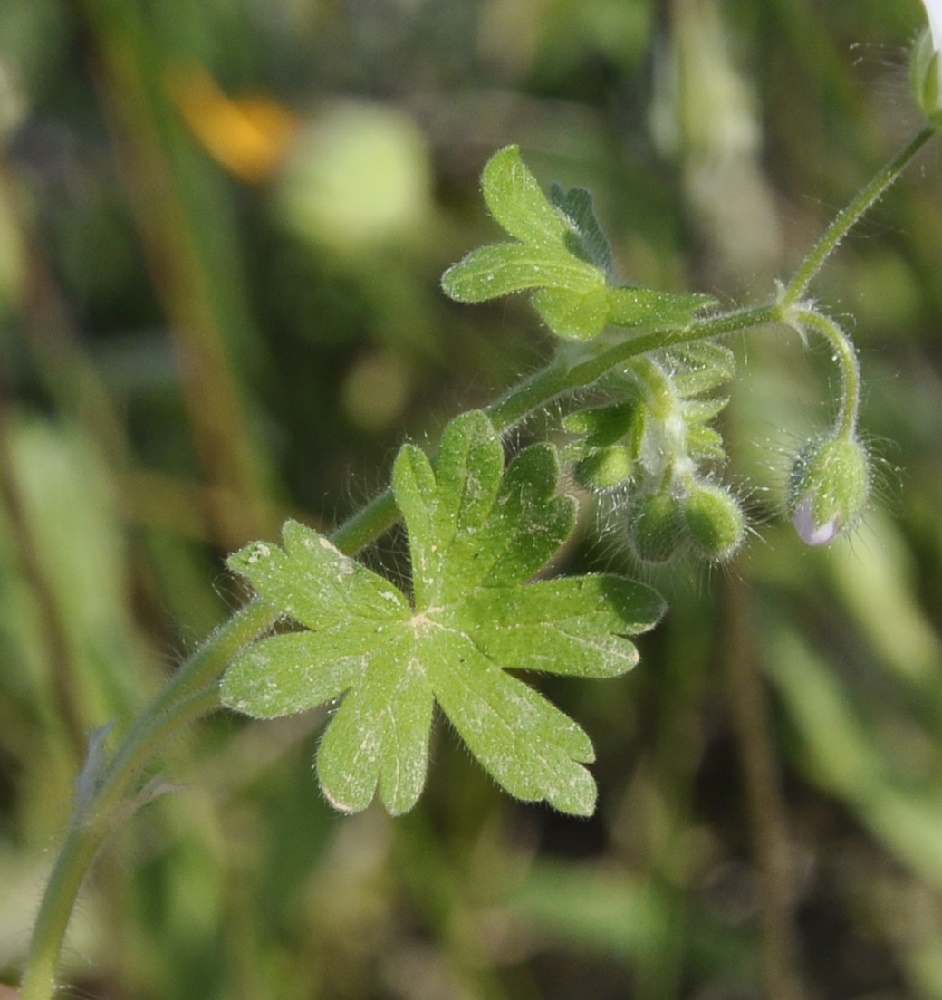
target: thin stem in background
190 282
767 823
681 690
63 670
49 335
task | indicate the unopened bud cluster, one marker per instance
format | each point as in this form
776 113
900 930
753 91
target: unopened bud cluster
699 517
654 446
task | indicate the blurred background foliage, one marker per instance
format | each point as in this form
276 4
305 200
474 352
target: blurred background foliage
222 224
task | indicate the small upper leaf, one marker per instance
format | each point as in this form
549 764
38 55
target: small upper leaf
562 256
477 533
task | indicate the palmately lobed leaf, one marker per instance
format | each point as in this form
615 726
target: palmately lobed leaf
562 256
470 523
477 534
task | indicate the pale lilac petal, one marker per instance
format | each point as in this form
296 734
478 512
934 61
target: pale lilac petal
808 531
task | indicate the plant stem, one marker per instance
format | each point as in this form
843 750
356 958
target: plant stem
364 527
846 358
567 373
188 241
192 692
533 393
750 713
866 198
529 396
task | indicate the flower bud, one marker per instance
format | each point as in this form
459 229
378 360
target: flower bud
603 468
656 526
715 522
828 488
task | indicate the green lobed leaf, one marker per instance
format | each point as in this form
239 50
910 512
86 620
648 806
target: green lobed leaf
573 314
311 581
380 734
503 268
574 626
630 306
477 533
469 524
517 203
296 671
532 749
562 255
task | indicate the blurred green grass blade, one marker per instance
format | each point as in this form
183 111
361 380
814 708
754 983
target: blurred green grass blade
842 756
615 914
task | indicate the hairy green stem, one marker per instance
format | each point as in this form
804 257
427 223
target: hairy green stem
868 196
576 367
846 358
192 692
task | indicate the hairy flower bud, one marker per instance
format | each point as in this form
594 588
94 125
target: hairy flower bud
656 526
828 488
714 520
603 468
